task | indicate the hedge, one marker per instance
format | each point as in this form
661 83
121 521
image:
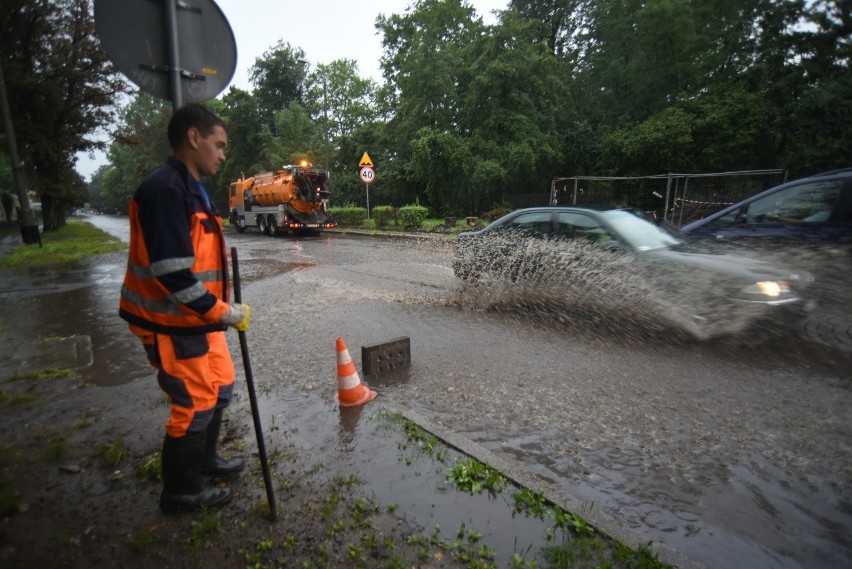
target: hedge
348 216
383 215
412 216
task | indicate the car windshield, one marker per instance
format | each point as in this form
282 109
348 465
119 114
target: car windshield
640 234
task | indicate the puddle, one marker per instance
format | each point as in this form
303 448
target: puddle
83 303
49 353
260 268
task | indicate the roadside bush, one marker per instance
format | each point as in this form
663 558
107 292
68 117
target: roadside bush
348 216
412 216
497 212
383 215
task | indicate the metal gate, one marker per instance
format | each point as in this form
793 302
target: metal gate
677 198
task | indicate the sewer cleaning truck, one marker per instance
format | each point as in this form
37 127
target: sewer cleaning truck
293 199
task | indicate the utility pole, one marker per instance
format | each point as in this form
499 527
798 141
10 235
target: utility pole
324 112
29 227
325 119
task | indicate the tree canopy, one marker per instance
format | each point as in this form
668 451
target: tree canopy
471 115
62 90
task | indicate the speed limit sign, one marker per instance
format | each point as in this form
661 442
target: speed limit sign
367 175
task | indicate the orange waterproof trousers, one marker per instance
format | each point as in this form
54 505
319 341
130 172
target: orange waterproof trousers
195 371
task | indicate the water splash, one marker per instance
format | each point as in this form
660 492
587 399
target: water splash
606 290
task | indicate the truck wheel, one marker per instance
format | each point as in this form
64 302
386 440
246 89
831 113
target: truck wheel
261 224
271 226
237 223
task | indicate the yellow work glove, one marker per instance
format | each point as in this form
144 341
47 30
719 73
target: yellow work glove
238 316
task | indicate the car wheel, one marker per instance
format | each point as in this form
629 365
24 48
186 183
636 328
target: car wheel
271 226
261 224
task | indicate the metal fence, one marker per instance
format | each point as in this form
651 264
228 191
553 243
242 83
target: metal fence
677 198
528 200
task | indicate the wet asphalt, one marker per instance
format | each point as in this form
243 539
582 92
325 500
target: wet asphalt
735 452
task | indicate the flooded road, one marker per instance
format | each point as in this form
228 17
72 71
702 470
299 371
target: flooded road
735 451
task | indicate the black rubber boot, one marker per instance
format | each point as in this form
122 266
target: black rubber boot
182 489
215 465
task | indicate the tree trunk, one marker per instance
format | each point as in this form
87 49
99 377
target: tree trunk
53 212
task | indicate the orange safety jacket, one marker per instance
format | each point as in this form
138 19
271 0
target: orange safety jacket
177 272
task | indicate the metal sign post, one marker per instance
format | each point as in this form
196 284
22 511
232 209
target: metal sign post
367 175
174 53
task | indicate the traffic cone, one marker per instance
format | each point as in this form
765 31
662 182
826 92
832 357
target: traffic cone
350 390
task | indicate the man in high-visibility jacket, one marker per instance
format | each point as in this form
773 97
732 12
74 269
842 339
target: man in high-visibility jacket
175 299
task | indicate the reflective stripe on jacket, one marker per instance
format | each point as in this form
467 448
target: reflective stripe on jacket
176 280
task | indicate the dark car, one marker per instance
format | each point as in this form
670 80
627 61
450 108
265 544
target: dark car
614 257
815 209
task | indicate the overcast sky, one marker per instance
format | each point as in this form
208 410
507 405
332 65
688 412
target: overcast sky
325 29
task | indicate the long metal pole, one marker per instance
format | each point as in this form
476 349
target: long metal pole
325 121
255 412
174 53
668 193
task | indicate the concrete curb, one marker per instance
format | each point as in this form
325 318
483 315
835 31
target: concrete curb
512 470
392 235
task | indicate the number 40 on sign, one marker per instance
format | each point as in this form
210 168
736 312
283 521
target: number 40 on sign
367 174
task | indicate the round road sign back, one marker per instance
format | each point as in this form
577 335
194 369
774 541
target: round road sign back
133 33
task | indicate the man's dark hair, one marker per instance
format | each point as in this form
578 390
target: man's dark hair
189 116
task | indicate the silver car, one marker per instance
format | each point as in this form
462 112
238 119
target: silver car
613 258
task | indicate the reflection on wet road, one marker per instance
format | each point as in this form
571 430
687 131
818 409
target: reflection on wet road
735 451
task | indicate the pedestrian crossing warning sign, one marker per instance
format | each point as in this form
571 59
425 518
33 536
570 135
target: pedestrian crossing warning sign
365 161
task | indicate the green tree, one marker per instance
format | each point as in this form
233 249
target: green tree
510 109
425 68
558 22
801 68
299 138
139 147
349 100
245 141
642 54
740 83
97 199
277 77
344 106
820 139
63 90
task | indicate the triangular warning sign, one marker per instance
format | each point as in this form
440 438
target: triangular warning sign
365 161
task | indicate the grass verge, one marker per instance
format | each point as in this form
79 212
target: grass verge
573 542
76 240
430 225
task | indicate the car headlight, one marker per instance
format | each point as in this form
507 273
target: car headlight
770 289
